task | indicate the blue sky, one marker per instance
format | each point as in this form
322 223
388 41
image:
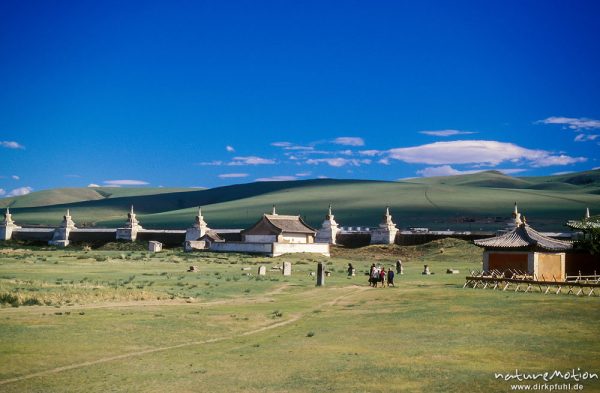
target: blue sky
210 93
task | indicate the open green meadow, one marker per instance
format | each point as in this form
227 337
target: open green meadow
122 319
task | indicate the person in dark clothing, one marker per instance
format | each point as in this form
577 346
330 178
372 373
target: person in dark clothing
350 269
390 278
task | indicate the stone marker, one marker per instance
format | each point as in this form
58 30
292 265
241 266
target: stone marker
154 246
287 269
426 270
327 273
246 268
262 270
320 275
452 271
193 269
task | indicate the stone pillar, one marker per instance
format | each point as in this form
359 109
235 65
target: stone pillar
262 270
199 228
320 275
287 269
329 229
131 228
60 237
7 226
386 232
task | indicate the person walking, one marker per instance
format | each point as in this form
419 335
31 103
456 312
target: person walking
390 278
382 277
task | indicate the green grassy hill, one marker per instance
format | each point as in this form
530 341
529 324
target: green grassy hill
468 202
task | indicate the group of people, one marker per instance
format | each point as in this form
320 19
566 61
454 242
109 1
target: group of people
378 275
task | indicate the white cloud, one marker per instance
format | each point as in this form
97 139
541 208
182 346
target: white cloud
337 161
210 163
444 170
20 191
557 160
277 178
447 170
281 144
586 137
370 153
229 148
446 132
232 175
574 123
384 161
15 177
349 141
11 145
251 160
322 177
125 182
303 174
2 192
93 185
489 153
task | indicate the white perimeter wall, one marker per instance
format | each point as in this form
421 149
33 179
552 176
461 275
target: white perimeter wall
262 248
285 248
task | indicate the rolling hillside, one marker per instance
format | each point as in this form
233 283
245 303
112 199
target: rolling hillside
479 201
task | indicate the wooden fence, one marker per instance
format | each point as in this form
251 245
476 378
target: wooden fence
518 281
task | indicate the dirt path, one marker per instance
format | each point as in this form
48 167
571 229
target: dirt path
333 302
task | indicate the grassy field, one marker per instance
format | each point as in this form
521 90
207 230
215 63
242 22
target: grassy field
127 320
466 202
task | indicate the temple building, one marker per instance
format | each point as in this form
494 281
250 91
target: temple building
525 250
275 228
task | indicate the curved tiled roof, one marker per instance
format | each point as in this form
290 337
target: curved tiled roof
293 224
524 236
587 223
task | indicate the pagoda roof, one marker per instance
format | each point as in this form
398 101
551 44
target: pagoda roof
523 237
587 223
282 223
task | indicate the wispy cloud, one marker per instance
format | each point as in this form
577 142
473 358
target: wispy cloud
125 182
562 173
371 153
349 141
490 153
232 175
281 144
574 123
446 132
93 185
11 145
229 149
15 177
210 163
586 137
277 178
251 160
20 191
303 174
337 161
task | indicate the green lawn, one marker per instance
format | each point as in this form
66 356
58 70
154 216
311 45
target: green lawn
135 321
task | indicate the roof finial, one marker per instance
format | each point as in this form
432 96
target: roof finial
587 213
199 211
329 210
387 210
131 210
7 211
517 216
68 213
274 210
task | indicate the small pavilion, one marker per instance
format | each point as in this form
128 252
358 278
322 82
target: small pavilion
525 250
